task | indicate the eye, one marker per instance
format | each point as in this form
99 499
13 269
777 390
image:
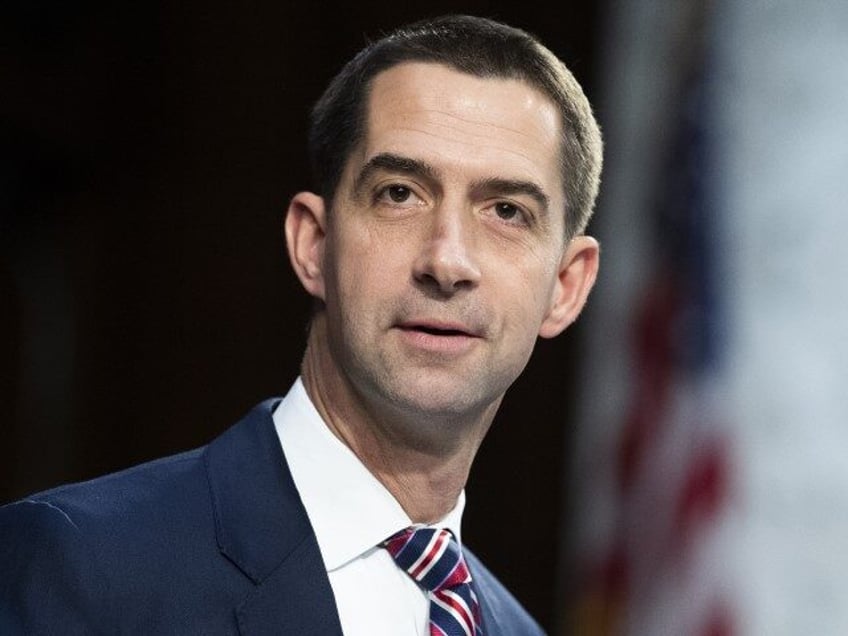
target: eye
396 194
506 211
510 213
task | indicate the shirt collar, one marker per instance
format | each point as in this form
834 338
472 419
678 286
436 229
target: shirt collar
350 511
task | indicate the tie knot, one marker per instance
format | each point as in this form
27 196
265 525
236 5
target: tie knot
431 556
433 559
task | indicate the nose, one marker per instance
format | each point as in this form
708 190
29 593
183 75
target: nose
447 260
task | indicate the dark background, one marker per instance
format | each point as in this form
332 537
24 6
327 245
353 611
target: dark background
147 155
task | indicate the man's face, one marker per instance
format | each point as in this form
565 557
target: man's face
443 250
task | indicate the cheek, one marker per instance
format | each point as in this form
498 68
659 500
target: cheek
366 268
537 282
527 308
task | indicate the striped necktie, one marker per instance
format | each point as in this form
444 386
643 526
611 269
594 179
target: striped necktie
433 559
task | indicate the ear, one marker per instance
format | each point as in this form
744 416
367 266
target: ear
305 229
578 270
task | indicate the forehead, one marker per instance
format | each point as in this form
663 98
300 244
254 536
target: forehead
471 126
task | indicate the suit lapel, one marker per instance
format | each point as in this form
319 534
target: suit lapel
263 529
491 624
294 599
487 597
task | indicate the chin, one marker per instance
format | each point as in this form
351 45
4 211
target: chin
448 399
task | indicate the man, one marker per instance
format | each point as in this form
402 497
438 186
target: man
457 163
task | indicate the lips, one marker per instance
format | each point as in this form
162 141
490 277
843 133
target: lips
439 328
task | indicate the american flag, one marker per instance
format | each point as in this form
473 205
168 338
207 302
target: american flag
667 455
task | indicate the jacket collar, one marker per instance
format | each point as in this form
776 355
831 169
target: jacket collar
263 529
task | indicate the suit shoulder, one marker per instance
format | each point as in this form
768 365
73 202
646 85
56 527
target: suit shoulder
102 513
48 566
117 493
62 551
506 608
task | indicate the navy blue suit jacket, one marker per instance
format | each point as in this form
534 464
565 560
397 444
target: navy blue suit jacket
212 541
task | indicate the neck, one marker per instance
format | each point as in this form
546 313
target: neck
422 461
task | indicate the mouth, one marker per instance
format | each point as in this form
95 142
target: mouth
439 338
439 329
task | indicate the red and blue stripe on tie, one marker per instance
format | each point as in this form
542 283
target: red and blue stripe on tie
432 557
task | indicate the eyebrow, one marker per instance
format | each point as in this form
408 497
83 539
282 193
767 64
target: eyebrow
394 163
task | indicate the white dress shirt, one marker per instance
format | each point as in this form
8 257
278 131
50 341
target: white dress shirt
352 513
